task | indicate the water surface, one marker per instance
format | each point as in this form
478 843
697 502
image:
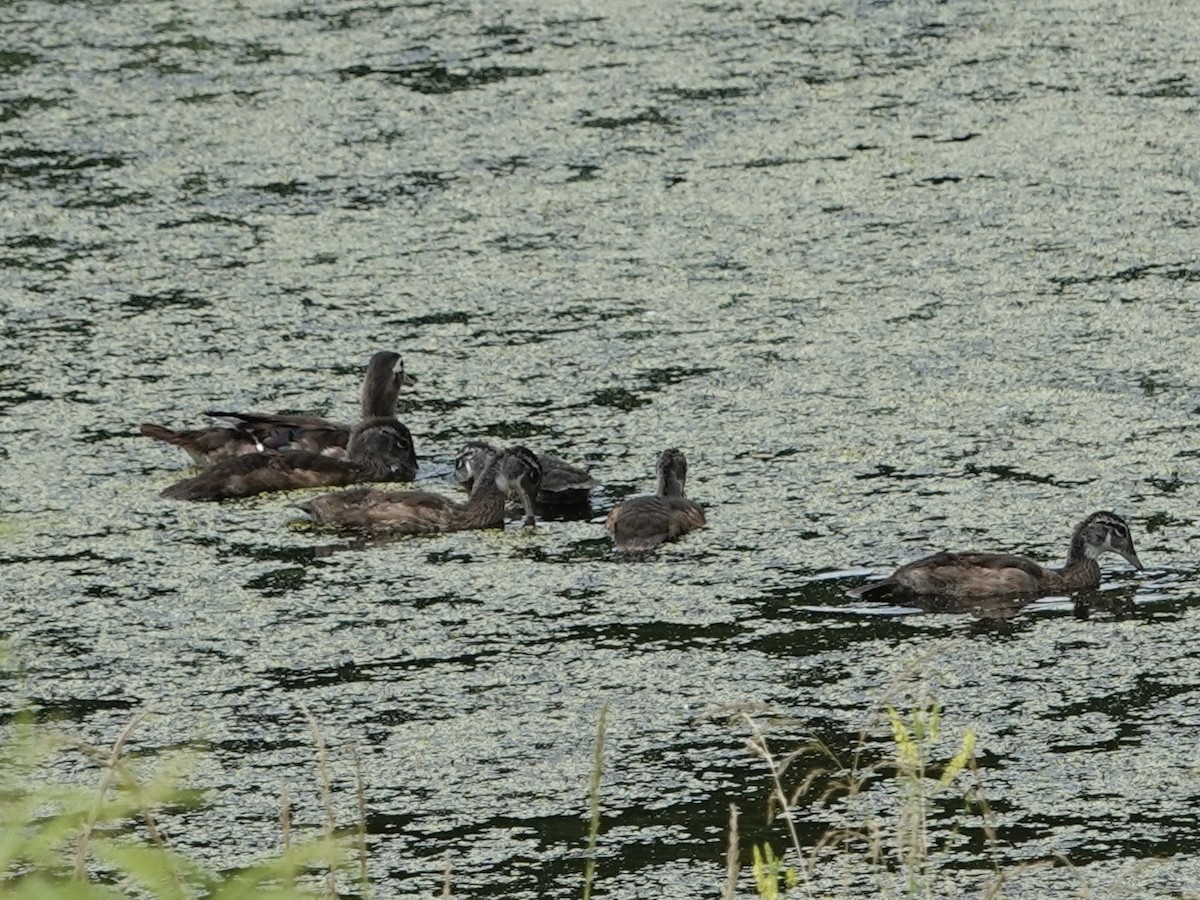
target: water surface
896 276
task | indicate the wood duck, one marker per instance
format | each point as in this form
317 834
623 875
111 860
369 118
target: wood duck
512 472
562 483
642 523
260 432
379 449
972 576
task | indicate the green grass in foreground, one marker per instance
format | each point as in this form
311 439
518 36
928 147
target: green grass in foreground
73 843
65 842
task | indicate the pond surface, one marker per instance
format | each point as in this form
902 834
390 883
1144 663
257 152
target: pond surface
896 277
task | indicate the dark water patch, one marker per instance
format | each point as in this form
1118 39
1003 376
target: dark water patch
106 197
14 108
588 550
449 317
40 253
14 61
618 398
653 636
253 746
816 17
707 95
891 473
384 669
278 582
649 381
507 166
291 188
523 243
1172 87
405 186
1167 271
348 18
206 219
137 304
650 116
48 711
1011 473
1168 484
254 54
1148 695
52 168
88 556
583 172
1161 521
438 78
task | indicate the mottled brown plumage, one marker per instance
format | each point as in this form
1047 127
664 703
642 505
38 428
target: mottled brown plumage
260 432
562 483
379 449
973 575
642 523
515 472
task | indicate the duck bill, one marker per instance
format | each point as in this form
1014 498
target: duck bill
1132 558
527 502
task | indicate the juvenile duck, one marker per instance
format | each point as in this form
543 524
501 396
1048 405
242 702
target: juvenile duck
379 449
972 576
259 432
642 523
562 483
514 472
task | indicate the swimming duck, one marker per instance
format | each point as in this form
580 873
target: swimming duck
379 449
512 472
260 432
562 483
642 523
971 576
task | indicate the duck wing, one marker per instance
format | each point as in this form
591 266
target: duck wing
642 523
204 445
959 576
257 473
405 512
559 476
287 432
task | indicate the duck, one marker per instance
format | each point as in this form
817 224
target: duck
513 472
974 576
642 523
380 448
248 433
562 483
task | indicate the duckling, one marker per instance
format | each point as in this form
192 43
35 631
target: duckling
260 432
971 576
512 472
562 483
642 523
379 449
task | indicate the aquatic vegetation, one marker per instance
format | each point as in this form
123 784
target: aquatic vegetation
74 843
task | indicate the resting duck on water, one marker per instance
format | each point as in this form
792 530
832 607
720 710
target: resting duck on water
972 575
260 432
642 523
514 472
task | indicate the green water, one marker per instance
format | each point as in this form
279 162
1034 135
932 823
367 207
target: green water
896 277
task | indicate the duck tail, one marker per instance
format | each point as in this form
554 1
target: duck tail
886 589
166 435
